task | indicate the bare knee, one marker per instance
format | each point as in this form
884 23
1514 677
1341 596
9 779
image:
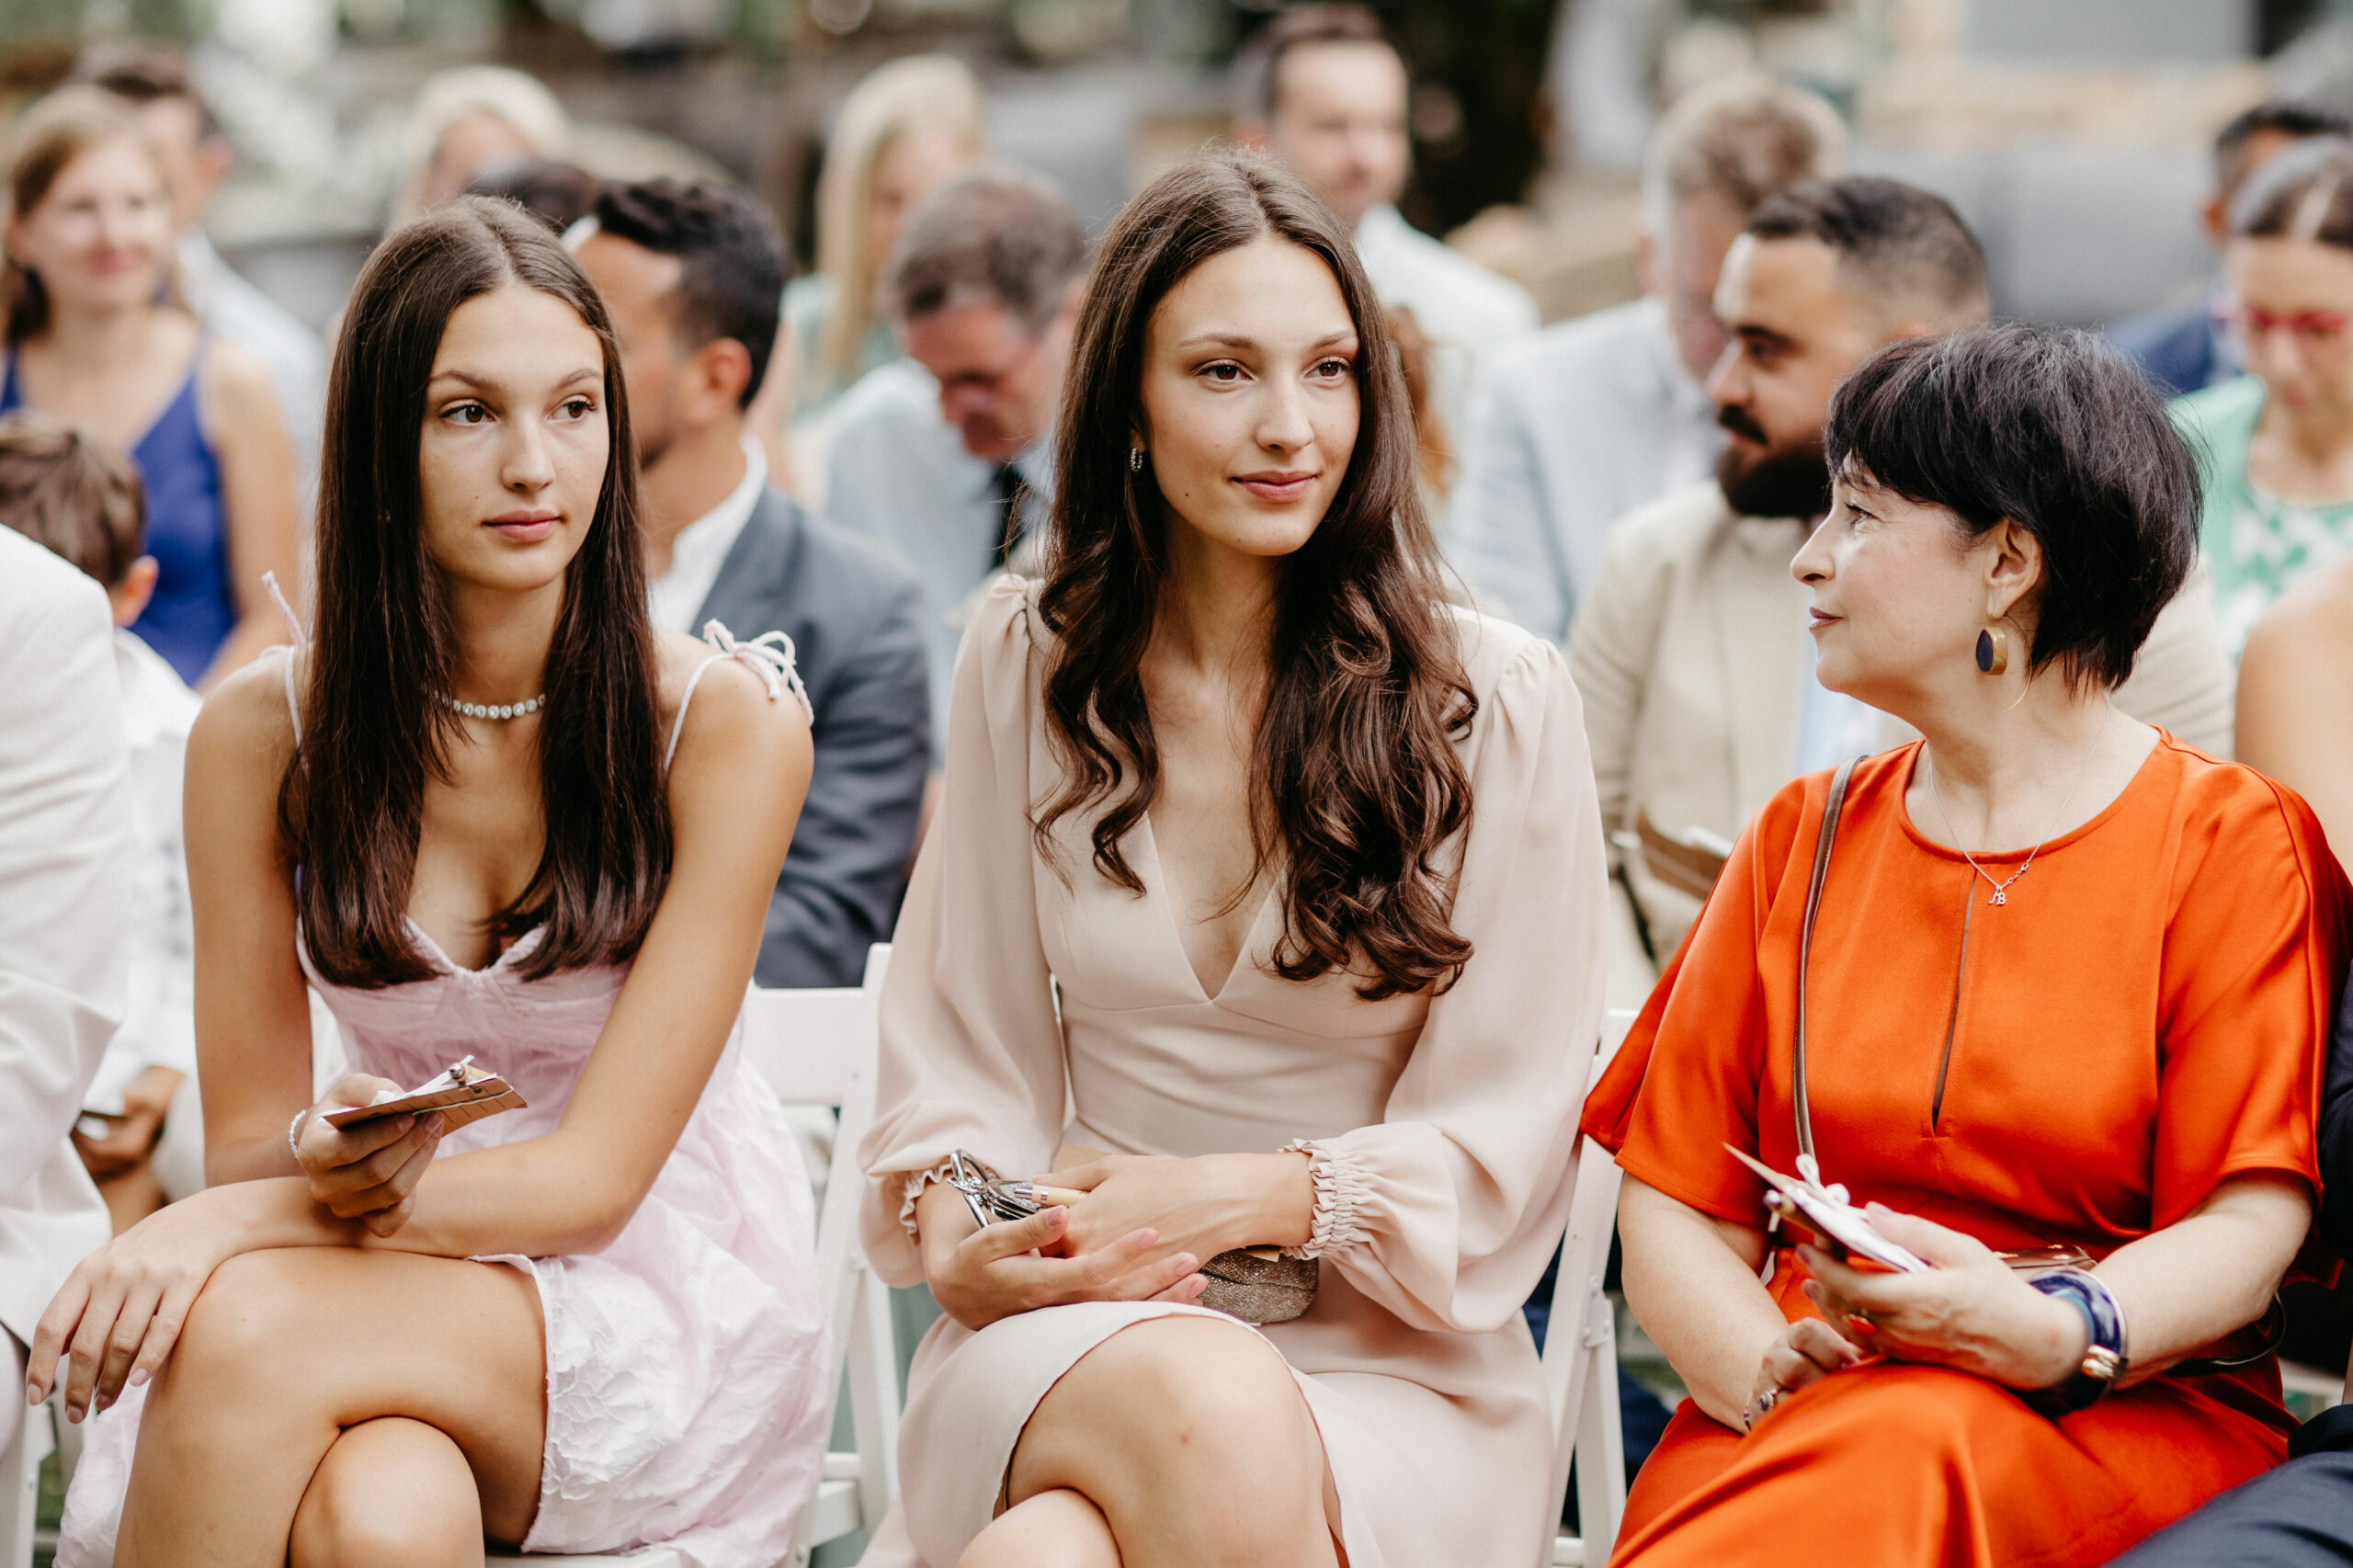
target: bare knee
1054 1529
389 1494
1204 1405
246 1319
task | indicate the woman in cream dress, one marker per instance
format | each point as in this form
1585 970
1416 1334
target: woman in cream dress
1358 1029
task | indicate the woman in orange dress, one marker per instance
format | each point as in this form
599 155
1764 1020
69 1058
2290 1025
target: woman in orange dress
2109 1036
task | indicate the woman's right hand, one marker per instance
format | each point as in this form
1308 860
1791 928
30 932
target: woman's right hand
979 1275
369 1172
1807 1351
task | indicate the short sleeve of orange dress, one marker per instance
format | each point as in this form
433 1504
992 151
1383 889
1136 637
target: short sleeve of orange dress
2144 1015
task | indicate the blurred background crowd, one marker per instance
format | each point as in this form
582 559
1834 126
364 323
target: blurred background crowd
2091 146
2071 134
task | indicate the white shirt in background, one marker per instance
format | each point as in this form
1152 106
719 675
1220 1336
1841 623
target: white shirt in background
1467 312
701 547
64 904
159 1025
900 476
1579 426
235 312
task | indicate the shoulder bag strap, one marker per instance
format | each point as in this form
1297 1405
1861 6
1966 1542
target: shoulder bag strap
1822 842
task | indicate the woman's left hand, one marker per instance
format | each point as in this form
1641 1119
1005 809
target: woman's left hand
1971 1310
120 1311
1206 1205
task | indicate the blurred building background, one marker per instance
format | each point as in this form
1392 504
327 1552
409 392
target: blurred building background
2071 132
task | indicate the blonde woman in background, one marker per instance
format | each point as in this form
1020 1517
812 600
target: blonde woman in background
469 121
904 129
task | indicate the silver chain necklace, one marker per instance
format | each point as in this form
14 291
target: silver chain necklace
2002 889
500 712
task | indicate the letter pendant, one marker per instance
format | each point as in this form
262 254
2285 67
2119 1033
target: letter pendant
2001 896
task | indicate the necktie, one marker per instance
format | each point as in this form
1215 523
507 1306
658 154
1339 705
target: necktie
1008 488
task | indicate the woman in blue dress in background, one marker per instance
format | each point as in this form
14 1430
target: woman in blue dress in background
91 340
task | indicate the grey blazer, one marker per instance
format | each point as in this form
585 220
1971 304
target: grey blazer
855 615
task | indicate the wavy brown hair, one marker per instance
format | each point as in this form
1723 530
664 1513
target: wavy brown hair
375 728
1356 787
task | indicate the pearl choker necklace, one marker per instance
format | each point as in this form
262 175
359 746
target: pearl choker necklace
500 711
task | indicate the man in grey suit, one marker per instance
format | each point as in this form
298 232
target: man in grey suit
948 455
692 274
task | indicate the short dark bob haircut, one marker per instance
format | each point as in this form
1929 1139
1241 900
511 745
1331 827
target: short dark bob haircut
2057 431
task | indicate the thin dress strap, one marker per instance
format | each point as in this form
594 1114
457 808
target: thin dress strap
769 655
286 650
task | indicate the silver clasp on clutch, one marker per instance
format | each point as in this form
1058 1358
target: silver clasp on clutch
990 1197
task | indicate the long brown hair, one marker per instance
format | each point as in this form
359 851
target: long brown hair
374 725
1356 788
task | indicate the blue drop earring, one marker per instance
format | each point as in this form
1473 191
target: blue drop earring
1993 650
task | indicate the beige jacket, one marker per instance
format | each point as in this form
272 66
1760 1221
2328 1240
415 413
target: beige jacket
1691 657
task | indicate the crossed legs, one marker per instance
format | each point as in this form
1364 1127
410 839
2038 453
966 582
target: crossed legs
1178 1441
340 1409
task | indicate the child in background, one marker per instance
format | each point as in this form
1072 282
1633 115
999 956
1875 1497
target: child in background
140 1135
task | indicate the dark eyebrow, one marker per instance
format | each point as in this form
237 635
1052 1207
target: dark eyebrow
583 373
1233 340
1764 336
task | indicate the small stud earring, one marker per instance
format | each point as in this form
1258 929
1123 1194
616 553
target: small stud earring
1993 650
1135 460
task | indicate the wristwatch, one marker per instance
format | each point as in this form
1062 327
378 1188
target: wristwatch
2104 1360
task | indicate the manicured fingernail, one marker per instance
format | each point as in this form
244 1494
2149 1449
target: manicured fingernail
1056 1216
138 1377
32 1393
1184 1263
74 1415
1200 1285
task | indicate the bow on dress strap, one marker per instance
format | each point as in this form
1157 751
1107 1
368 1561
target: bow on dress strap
770 656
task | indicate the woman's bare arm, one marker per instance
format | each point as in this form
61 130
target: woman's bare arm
2295 689
260 501
2179 1289
1691 1280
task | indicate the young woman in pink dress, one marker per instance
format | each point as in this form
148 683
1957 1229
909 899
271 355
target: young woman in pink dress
488 810
1273 876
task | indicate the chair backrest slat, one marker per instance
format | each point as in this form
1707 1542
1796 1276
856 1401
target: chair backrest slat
1580 1346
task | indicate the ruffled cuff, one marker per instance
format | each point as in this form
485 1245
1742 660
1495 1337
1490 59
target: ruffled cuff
911 1187
1341 1190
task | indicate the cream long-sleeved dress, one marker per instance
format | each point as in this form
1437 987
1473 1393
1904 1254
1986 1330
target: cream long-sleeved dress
1439 1127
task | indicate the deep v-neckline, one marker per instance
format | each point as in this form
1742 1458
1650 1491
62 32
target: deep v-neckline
440 955
1158 887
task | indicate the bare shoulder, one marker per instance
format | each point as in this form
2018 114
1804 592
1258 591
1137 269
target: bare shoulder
2315 616
245 732
730 717
233 387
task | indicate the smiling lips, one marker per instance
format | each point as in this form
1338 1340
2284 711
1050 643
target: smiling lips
525 527
1280 488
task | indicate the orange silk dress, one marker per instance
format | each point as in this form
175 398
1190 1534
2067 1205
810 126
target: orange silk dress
2146 1015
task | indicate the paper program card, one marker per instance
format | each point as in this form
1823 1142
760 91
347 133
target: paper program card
1826 1211
464 1094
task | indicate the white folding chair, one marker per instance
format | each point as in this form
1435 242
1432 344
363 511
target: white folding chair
817 1048
26 1444
1581 1348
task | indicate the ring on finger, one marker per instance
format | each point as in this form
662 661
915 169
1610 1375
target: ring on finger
1761 1405
1861 1322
